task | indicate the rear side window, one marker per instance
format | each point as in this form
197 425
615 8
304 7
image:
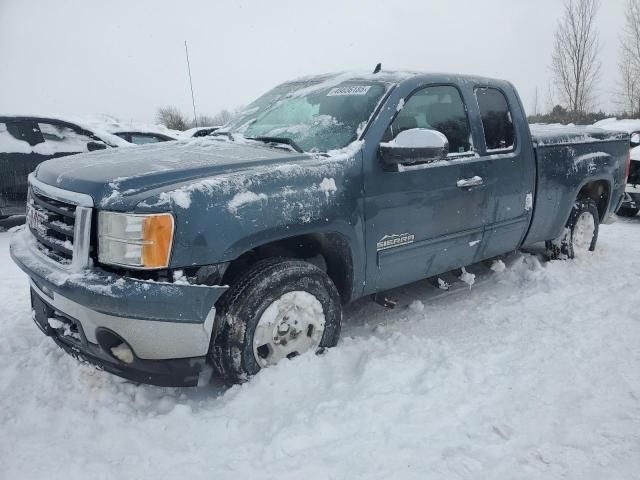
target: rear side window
10 144
438 108
61 138
26 131
140 139
497 122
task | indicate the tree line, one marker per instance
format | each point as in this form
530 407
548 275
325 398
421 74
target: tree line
576 66
173 118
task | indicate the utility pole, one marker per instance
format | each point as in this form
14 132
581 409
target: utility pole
193 100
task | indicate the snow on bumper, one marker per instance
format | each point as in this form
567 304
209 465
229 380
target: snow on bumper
158 320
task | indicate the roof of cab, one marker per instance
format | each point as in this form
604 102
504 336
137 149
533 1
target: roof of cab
395 77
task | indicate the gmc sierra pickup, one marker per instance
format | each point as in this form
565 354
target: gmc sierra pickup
239 249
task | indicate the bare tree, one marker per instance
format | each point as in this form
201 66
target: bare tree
172 118
628 86
219 119
629 64
222 117
205 121
575 64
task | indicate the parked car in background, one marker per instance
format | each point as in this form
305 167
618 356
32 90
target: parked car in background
631 204
198 132
137 133
240 250
27 141
142 138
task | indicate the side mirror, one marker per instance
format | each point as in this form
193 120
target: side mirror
635 139
415 145
93 146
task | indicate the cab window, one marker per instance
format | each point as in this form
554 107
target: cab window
438 108
499 133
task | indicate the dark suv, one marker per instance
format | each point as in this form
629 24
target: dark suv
25 142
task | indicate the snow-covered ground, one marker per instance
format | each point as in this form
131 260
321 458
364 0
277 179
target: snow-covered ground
531 372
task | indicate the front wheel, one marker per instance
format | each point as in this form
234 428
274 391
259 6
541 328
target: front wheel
580 234
278 309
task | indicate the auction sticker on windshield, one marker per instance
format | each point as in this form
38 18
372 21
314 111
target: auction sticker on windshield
349 90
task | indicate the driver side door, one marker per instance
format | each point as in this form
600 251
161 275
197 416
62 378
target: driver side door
420 218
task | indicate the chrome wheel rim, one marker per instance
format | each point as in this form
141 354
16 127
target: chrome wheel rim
583 232
291 325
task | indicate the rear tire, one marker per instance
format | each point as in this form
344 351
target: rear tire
580 234
288 306
627 212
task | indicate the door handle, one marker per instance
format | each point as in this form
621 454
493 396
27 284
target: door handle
470 182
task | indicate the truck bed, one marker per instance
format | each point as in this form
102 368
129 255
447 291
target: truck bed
567 158
550 135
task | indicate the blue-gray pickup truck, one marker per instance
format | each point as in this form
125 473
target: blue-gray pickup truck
238 250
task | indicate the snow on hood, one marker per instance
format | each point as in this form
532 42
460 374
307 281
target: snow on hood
176 168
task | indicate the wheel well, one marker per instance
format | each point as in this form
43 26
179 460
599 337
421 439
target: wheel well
328 251
599 192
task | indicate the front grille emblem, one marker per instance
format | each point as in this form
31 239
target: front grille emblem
37 220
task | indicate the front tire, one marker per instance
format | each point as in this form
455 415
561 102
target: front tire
277 309
580 234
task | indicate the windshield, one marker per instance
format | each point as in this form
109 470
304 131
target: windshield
316 116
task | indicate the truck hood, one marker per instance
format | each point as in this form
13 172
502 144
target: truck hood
138 172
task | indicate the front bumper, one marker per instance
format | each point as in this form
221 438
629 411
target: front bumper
167 326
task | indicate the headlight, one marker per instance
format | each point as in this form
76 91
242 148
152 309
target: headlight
135 240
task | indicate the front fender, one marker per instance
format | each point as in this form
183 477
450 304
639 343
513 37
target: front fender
220 218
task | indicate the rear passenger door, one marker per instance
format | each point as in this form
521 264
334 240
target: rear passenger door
506 150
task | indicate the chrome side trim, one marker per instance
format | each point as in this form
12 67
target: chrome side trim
80 199
81 239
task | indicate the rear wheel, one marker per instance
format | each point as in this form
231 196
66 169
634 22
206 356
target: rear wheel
276 310
580 235
627 212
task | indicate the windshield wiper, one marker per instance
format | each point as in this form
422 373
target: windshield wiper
280 140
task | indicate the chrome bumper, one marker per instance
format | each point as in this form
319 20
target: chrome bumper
158 320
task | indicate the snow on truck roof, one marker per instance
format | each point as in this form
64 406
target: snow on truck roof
386 76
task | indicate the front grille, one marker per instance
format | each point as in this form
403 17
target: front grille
52 223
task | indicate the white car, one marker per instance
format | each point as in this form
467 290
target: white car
631 203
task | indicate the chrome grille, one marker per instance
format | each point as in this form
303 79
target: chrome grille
52 222
60 222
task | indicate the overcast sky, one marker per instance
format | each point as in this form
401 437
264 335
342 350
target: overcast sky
126 58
